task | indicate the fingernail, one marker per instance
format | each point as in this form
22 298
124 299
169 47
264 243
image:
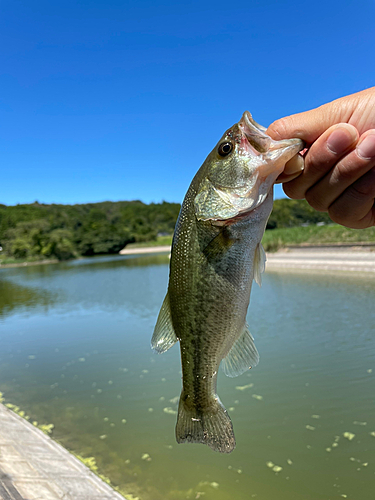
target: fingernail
340 140
366 148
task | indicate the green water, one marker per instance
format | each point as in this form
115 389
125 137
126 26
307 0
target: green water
75 352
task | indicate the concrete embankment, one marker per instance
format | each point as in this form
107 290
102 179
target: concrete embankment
141 250
328 258
34 467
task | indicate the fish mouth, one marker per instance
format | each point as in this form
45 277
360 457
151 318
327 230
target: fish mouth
262 143
267 160
272 157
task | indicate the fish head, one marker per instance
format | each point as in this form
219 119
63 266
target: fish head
239 173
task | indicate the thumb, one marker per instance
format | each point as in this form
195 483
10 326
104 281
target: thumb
309 125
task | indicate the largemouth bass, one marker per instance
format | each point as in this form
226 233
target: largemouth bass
216 254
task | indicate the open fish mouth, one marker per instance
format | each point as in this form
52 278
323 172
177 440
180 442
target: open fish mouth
261 159
262 143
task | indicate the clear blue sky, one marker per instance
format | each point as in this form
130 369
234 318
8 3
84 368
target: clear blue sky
121 100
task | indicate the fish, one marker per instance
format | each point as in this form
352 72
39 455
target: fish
216 254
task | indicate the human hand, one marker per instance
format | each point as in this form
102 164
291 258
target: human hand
339 172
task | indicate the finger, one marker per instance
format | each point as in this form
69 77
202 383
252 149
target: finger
287 178
355 207
347 171
326 151
293 169
309 125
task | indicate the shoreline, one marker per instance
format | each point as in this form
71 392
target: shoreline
27 264
130 251
313 258
140 250
335 257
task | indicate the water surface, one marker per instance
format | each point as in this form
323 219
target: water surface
75 352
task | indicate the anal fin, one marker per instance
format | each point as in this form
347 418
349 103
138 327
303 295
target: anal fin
164 336
242 356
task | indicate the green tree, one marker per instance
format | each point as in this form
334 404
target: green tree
64 231
60 245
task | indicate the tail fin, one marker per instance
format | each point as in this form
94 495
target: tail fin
211 426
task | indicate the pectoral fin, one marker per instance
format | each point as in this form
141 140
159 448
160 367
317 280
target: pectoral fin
164 336
259 263
242 356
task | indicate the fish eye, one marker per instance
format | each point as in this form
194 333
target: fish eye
225 148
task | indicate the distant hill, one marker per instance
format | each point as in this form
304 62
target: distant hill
37 231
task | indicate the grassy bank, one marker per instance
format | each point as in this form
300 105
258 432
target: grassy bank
159 242
12 262
274 239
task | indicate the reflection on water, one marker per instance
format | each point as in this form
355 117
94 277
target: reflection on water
75 352
105 283
13 296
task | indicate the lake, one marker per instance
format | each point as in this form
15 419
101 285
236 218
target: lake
75 352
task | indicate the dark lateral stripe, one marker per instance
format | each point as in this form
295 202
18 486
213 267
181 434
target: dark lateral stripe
197 368
7 489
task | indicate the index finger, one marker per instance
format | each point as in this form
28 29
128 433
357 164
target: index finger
310 125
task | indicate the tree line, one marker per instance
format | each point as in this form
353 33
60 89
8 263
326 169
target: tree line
37 231
292 213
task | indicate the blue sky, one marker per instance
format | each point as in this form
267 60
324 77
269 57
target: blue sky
120 100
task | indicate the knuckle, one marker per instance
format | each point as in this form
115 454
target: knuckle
316 161
316 201
355 207
341 215
344 173
344 219
278 130
292 191
361 191
364 187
